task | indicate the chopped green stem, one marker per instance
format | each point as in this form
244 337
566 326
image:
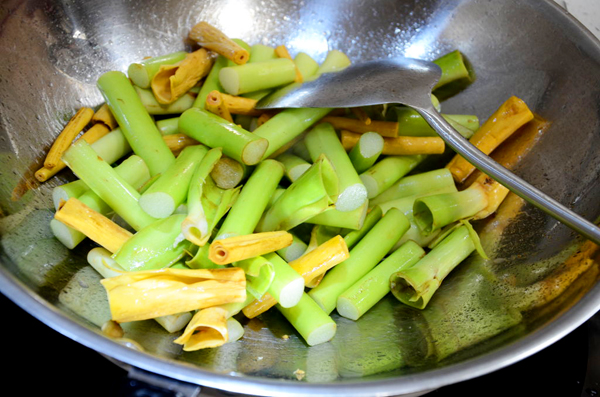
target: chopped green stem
308 196
103 180
433 212
411 123
365 255
287 285
322 139
334 62
171 189
306 64
68 190
261 53
211 82
256 76
287 125
229 173
388 171
253 199
135 122
214 131
353 237
293 251
133 170
311 322
453 68
260 273
366 151
168 126
112 146
417 184
156 246
294 166
141 73
415 285
373 286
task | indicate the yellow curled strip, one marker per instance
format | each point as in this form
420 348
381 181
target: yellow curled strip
171 82
208 328
149 294
209 37
77 123
237 248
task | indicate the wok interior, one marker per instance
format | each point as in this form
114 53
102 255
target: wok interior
538 269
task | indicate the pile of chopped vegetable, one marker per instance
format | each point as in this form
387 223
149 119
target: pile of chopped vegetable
204 208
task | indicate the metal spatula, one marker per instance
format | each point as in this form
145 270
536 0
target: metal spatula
409 82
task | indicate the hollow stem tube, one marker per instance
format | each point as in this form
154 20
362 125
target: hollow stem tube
170 190
433 212
135 122
415 285
309 195
322 139
257 76
371 249
366 151
388 171
311 322
141 73
102 179
374 285
213 131
294 166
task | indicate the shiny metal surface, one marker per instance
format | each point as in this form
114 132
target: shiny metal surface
541 280
409 82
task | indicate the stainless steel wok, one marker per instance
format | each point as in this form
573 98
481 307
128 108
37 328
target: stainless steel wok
541 280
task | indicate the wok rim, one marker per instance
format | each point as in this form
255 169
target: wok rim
422 382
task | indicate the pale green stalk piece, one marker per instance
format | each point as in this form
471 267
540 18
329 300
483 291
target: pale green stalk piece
415 285
353 237
422 183
287 125
141 73
433 212
334 62
287 285
411 123
373 286
253 199
112 146
261 53
229 173
388 171
214 131
306 64
294 166
294 250
66 191
156 109
211 82
311 322
259 275
156 246
133 170
207 203
168 126
308 196
103 180
256 76
136 124
170 190
322 139
366 151
453 68
365 255
235 330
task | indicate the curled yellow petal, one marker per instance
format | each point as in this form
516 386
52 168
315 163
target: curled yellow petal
172 81
208 328
232 249
213 39
149 294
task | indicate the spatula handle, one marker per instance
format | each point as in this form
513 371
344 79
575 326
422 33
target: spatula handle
515 184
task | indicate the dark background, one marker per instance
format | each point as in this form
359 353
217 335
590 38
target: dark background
41 361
